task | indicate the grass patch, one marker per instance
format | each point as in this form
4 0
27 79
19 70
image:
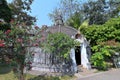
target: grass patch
11 76
6 73
53 78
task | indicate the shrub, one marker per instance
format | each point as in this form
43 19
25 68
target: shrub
103 38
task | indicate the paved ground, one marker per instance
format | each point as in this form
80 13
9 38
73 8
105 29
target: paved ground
108 75
113 74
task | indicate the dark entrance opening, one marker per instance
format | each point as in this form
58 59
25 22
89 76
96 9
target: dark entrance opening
78 55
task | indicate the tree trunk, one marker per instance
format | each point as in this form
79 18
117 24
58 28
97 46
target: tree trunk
22 73
21 77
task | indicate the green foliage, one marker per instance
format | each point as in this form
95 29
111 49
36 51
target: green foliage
96 11
74 20
14 47
4 26
101 56
104 53
67 10
59 44
100 33
20 9
99 11
5 15
103 38
5 11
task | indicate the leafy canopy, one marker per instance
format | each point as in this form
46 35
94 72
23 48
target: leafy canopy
105 41
59 44
5 11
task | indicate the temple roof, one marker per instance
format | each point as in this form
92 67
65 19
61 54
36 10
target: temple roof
57 28
62 29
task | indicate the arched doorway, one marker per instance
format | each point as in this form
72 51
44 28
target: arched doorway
78 37
78 55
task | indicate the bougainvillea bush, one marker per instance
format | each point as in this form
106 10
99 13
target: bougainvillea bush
14 47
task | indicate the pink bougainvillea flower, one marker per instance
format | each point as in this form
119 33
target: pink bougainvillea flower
2 45
7 36
1 41
8 31
19 40
29 62
36 27
42 38
36 44
37 40
12 21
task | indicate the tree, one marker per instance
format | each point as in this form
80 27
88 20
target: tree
20 9
59 46
99 11
114 6
73 12
55 15
75 20
94 11
15 45
5 11
66 9
5 15
105 41
69 7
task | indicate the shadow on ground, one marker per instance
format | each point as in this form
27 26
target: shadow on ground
4 68
45 78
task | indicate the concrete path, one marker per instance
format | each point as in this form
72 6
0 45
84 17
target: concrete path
108 75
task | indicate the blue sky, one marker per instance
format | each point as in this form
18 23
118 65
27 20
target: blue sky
41 9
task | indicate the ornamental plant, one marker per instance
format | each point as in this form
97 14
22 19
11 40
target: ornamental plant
100 58
15 44
104 41
59 44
